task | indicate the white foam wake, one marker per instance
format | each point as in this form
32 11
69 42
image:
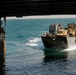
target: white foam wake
71 48
71 44
36 43
71 41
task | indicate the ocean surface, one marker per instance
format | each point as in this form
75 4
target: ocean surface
26 54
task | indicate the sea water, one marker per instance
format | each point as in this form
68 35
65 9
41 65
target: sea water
26 54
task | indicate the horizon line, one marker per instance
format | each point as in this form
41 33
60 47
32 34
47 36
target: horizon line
43 17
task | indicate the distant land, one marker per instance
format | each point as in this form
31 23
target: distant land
43 17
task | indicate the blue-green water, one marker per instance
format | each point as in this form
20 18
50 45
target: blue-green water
26 54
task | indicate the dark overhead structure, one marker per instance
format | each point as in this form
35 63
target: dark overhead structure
37 7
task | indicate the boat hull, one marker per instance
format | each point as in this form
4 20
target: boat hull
57 41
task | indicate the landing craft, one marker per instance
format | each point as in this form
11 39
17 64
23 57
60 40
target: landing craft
58 36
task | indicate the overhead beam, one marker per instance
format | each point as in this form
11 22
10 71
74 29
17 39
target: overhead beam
37 7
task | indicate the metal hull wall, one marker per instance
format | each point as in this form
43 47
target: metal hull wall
58 41
2 51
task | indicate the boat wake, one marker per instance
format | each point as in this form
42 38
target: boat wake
71 48
35 43
71 44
